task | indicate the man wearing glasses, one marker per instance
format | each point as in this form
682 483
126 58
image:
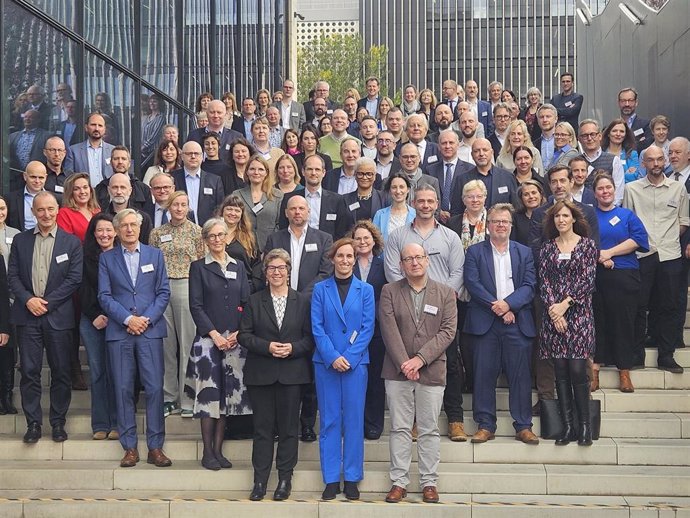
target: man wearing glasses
589 136
292 114
500 277
501 123
162 186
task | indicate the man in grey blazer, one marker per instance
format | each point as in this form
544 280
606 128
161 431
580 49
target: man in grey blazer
418 319
92 155
292 114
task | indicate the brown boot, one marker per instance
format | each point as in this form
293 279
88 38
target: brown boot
625 382
594 385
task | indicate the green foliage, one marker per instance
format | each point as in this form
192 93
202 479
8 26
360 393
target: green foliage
340 59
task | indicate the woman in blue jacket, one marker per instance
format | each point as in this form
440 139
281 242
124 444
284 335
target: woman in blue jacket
342 315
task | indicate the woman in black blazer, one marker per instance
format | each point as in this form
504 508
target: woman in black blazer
369 268
276 331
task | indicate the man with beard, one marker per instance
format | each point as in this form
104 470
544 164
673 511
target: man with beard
120 192
443 118
93 154
468 128
627 103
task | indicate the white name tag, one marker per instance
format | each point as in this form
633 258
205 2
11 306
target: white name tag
59 188
503 190
564 257
311 247
166 238
61 258
623 163
331 217
614 221
484 114
107 161
329 112
257 208
429 309
227 147
8 240
568 104
147 268
353 337
208 190
638 132
295 114
432 159
354 206
230 275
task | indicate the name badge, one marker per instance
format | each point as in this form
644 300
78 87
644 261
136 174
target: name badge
614 221
311 247
353 337
638 132
503 190
59 188
589 170
166 238
295 114
257 208
354 206
107 161
484 114
429 309
61 258
329 112
208 190
568 104
230 275
673 204
331 217
432 159
564 257
623 163
147 268
8 240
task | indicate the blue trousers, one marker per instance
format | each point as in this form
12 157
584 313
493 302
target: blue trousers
341 399
505 348
125 355
103 407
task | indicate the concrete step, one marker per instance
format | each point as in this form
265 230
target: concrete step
682 356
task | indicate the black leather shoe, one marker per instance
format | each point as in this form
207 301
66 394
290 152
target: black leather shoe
351 491
33 433
59 433
210 462
372 435
283 490
308 434
223 461
332 489
258 492
669 364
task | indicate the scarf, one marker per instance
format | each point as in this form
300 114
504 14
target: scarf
410 108
479 230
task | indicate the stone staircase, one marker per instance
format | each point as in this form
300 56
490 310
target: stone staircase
639 468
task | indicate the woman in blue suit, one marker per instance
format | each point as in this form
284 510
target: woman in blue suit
342 315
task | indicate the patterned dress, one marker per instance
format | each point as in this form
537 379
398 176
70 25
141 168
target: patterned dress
558 278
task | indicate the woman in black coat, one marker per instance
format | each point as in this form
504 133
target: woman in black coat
276 331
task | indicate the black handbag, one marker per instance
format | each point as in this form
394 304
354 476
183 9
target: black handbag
552 423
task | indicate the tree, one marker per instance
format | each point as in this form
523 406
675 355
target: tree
340 60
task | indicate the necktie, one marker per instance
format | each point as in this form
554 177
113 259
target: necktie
447 181
164 217
676 176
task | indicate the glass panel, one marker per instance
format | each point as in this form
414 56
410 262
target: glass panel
155 114
36 60
159 44
197 69
61 10
109 25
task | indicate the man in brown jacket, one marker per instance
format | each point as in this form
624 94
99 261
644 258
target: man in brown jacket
418 318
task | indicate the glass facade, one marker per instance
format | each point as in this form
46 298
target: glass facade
124 58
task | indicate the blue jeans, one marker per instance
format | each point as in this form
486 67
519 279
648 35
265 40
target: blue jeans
103 410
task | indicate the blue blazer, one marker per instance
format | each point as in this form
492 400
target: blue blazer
120 299
382 219
77 159
64 278
342 329
480 281
485 116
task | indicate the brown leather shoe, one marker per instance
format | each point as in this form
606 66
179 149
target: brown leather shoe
396 494
130 459
483 435
625 381
527 436
456 432
594 384
430 495
158 458
414 432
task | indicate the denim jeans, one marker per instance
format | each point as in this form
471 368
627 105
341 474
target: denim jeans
103 411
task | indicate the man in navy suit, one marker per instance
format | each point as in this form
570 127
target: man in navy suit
417 128
44 271
500 277
133 291
373 98
581 191
215 111
26 145
451 97
94 150
627 103
481 109
20 213
205 190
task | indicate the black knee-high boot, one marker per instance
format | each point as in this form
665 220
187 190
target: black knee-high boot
7 380
581 393
565 402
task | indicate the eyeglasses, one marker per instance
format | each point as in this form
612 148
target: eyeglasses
280 269
191 154
409 157
502 222
363 239
561 135
364 174
384 141
501 117
413 259
218 236
589 136
53 150
162 188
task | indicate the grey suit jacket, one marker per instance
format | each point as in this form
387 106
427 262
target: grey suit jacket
404 338
297 115
265 220
77 160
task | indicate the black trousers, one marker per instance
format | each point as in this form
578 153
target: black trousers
7 362
276 407
310 405
455 378
682 304
32 339
615 308
660 283
375 404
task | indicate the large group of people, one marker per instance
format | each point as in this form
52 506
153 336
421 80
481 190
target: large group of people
288 262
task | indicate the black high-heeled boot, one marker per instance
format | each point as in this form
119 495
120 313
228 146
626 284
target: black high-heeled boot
581 393
565 402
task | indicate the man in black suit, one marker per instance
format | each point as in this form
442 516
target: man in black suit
327 210
243 125
25 146
341 179
68 129
501 184
627 103
37 102
216 111
451 97
321 91
371 101
501 123
55 152
443 118
6 350
448 170
416 129
45 269
581 191
568 103
205 190
20 202
140 195
119 188
386 161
